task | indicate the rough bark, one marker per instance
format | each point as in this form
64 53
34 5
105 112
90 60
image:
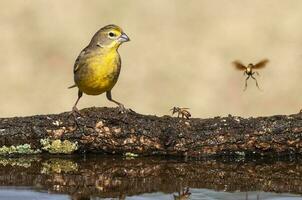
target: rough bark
105 130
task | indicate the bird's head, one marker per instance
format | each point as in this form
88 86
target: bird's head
110 36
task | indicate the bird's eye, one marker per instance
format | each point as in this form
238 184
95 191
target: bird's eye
111 34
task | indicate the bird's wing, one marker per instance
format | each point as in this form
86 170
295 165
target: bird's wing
261 64
239 65
77 65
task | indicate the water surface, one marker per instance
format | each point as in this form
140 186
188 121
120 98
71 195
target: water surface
100 177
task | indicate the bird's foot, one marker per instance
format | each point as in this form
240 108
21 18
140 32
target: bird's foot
75 112
122 109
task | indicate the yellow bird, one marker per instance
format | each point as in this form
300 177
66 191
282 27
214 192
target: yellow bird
98 66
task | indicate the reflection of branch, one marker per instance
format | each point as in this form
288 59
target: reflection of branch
58 166
19 161
105 130
117 177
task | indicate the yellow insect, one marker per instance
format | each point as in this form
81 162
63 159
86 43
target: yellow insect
183 112
98 66
248 70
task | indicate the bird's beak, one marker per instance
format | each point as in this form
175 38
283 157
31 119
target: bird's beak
123 38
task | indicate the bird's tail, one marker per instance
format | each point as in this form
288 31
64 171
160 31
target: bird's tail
72 86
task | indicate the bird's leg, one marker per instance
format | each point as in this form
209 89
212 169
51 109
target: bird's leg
121 106
257 73
256 82
74 108
245 86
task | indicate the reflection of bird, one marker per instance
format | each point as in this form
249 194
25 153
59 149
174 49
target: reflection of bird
247 197
97 68
248 70
183 194
183 112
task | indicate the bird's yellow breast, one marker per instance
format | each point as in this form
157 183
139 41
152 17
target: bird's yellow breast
98 72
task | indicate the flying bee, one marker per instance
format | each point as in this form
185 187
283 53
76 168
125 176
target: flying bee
183 112
248 70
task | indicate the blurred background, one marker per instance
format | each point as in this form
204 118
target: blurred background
180 54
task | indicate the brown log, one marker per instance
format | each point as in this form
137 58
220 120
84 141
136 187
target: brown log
106 130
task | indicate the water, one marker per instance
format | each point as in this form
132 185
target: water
107 178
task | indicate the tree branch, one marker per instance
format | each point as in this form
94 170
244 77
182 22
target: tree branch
105 130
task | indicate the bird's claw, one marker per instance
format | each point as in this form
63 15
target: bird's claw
122 109
76 113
